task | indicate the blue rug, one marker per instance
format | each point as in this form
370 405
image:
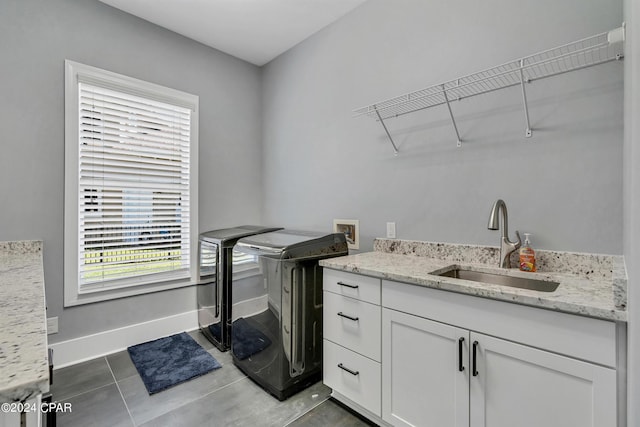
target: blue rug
216 331
247 340
170 361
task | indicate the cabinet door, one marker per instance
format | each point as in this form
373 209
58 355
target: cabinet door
32 416
521 386
9 419
425 372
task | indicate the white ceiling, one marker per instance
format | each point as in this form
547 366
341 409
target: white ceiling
254 30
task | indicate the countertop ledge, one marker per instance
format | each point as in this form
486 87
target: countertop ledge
24 367
576 294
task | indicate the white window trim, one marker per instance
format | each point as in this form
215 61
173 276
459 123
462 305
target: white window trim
74 72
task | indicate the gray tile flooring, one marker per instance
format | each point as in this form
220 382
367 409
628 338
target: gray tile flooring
108 391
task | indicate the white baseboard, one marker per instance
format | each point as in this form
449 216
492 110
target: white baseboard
80 349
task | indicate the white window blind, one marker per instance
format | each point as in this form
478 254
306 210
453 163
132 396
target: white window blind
133 188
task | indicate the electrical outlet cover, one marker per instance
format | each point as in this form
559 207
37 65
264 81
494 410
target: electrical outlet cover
391 230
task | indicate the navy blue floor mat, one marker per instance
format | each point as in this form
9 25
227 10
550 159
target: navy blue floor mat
169 361
247 340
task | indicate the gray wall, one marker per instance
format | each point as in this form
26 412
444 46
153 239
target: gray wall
315 162
564 185
632 203
36 37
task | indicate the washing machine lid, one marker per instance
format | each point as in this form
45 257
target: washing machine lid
229 236
289 244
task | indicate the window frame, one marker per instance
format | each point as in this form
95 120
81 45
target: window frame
74 73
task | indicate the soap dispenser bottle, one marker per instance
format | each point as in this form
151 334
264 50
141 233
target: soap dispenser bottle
527 255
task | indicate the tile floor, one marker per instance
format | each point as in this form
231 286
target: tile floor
108 391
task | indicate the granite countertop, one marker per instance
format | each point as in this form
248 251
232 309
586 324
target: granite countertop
24 367
590 285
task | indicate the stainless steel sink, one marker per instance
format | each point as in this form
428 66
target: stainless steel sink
499 279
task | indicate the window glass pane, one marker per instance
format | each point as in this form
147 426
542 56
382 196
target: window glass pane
133 185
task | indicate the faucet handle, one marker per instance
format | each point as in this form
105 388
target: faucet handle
519 242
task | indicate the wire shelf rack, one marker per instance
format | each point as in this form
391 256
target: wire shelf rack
594 50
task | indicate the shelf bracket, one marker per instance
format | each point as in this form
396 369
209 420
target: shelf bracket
527 133
395 149
453 120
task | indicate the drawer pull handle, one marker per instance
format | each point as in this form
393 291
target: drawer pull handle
460 343
344 368
475 357
346 316
348 285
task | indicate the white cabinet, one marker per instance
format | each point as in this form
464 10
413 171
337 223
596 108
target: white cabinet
353 324
517 385
459 373
31 417
363 288
9 419
354 376
406 355
351 331
435 374
422 380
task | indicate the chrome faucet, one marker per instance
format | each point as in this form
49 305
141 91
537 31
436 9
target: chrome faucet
506 247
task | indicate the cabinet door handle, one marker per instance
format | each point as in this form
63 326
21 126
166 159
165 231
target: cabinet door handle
460 345
348 285
346 316
344 368
475 358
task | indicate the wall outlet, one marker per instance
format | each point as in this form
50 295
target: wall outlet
52 325
391 230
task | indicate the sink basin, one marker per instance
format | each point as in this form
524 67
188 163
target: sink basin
499 279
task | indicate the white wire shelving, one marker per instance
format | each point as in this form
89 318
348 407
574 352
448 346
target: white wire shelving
594 50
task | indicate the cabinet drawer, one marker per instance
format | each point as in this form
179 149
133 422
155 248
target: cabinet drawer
361 385
352 323
364 288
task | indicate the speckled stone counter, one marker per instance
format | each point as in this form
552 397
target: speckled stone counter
24 368
590 285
